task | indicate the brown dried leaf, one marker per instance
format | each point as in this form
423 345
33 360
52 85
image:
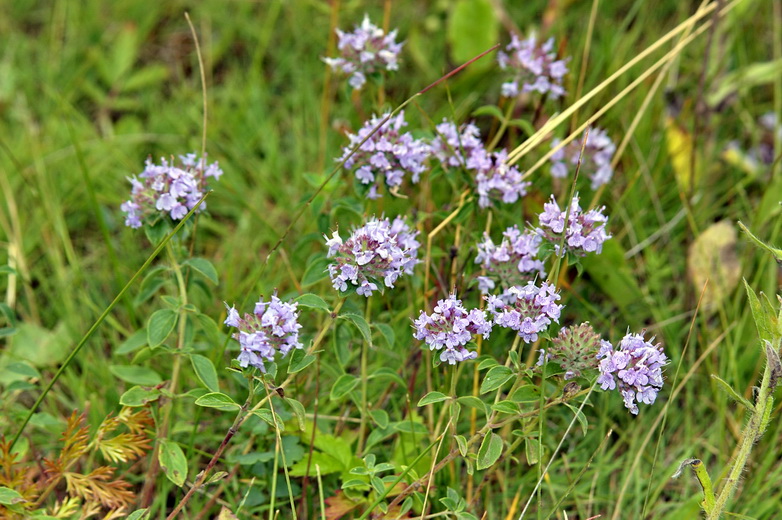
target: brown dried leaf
712 256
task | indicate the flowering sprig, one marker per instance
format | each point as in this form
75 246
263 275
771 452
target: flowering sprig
513 262
534 68
635 368
584 233
272 327
528 309
452 145
388 156
365 51
595 163
172 188
450 327
495 179
379 250
575 350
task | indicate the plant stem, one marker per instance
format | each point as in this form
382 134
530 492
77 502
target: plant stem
364 382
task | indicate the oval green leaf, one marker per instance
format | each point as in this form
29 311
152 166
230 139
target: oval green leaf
172 460
205 371
217 400
159 326
490 451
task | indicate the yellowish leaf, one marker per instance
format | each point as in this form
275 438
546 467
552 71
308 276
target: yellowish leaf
680 143
713 257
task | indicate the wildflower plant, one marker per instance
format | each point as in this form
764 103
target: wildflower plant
585 232
634 368
387 157
575 349
598 152
375 255
532 67
454 145
495 179
527 309
514 261
365 52
271 328
450 327
171 188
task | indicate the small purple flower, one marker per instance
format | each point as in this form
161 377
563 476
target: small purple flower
168 188
596 161
575 349
635 369
452 146
536 68
528 309
585 232
379 251
514 261
450 327
272 327
388 156
365 51
495 179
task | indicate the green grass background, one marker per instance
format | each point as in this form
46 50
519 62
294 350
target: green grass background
89 89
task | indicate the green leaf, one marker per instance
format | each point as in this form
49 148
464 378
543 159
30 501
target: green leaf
379 417
217 400
472 29
203 267
508 407
432 397
137 340
172 460
138 396
490 451
360 323
23 369
136 375
531 447
138 514
146 77
733 393
495 378
315 271
473 402
387 332
299 361
324 461
489 110
461 442
10 497
159 326
387 373
272 420
206 372
343 386
525 394
298 411
312 301
580 416
762 319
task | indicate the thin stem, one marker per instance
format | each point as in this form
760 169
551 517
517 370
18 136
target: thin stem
365 345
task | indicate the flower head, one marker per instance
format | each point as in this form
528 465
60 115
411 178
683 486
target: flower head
365 51
272 327
528 309
495 179
584 233
388 156
534 67
379 252
450 327
635 368
513 261
453 145
595 163
171 188
575 350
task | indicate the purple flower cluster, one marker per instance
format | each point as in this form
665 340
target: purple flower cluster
365 51
387 156
584 233
379 250
596 162
273 326
452 145
450 327
514 261
575 350
495 179
172 188
635 369
528 309
535 67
